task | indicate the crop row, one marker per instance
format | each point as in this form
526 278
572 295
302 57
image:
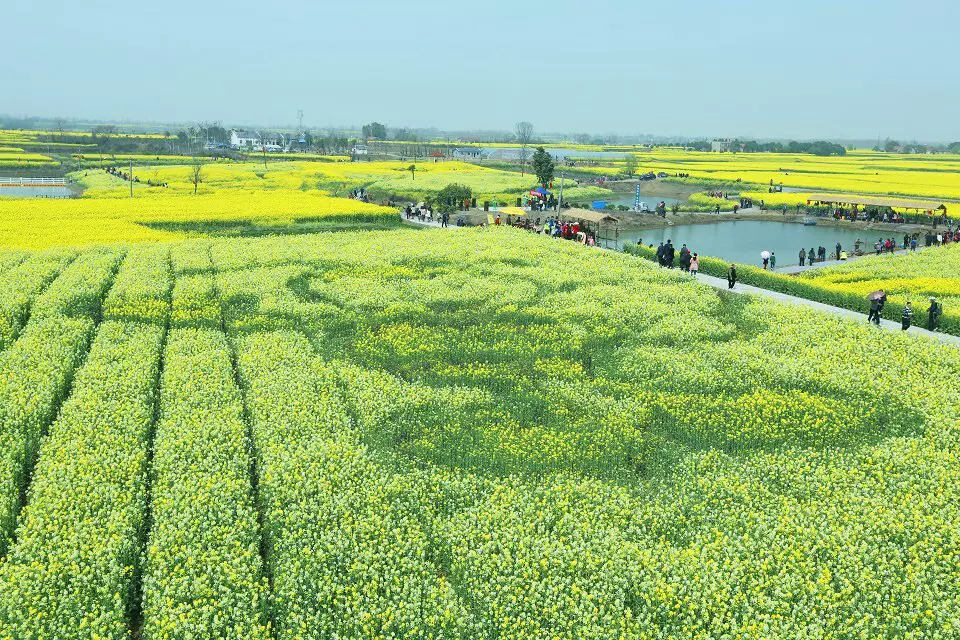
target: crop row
203 575
38 367
141 291
80 288
70 573
346 549
20 287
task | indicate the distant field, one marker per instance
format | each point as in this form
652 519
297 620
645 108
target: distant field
36 224
933 176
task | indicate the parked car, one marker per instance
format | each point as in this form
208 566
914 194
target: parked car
649 175
663 174
643 208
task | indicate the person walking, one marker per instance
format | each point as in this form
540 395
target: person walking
803 256
874 315
685 259
877 299
933 314
812 255
766 261
907 317
731 276
773 260
694 265
838 251
669 253
660 253
445 220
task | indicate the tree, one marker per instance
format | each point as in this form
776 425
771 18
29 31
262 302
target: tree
375 130
413 171
405 135
451 197
524 136
196 173
543 166
630 165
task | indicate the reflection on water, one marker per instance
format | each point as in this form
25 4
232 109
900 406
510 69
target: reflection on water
741 241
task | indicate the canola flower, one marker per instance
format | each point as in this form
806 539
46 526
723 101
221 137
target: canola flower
480 434
69 574
203 569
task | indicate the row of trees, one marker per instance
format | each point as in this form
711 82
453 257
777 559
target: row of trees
817 148
893 146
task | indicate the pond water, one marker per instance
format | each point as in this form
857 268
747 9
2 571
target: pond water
627 200
741 241
35 192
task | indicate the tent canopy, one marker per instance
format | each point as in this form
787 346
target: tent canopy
587 216
874 201
513 211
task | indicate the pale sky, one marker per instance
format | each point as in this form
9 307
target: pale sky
760 68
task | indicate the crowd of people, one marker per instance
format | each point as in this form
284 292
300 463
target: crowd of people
878 300
424 213
669 257
123 175
553 227
885 215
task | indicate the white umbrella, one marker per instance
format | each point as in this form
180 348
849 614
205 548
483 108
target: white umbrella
764 254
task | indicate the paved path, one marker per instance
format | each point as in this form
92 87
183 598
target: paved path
719 283
423 223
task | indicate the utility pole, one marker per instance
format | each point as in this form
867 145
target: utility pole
300 120
560 200
131 178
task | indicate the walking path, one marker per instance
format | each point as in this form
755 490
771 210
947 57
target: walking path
423 223
719 283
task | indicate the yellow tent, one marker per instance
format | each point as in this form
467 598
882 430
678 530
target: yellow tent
513 211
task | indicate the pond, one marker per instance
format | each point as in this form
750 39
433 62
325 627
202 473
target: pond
35 192
741 241
628 200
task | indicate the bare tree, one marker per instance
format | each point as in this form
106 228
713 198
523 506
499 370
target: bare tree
524 136
196 173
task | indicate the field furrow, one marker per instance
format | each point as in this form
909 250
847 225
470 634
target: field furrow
204 574
38 368
71 572
9 260
346 549
20 287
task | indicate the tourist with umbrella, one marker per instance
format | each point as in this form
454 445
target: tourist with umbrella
765 256
877 298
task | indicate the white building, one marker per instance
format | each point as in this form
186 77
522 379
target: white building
256 140
471 153
360 150
722 144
